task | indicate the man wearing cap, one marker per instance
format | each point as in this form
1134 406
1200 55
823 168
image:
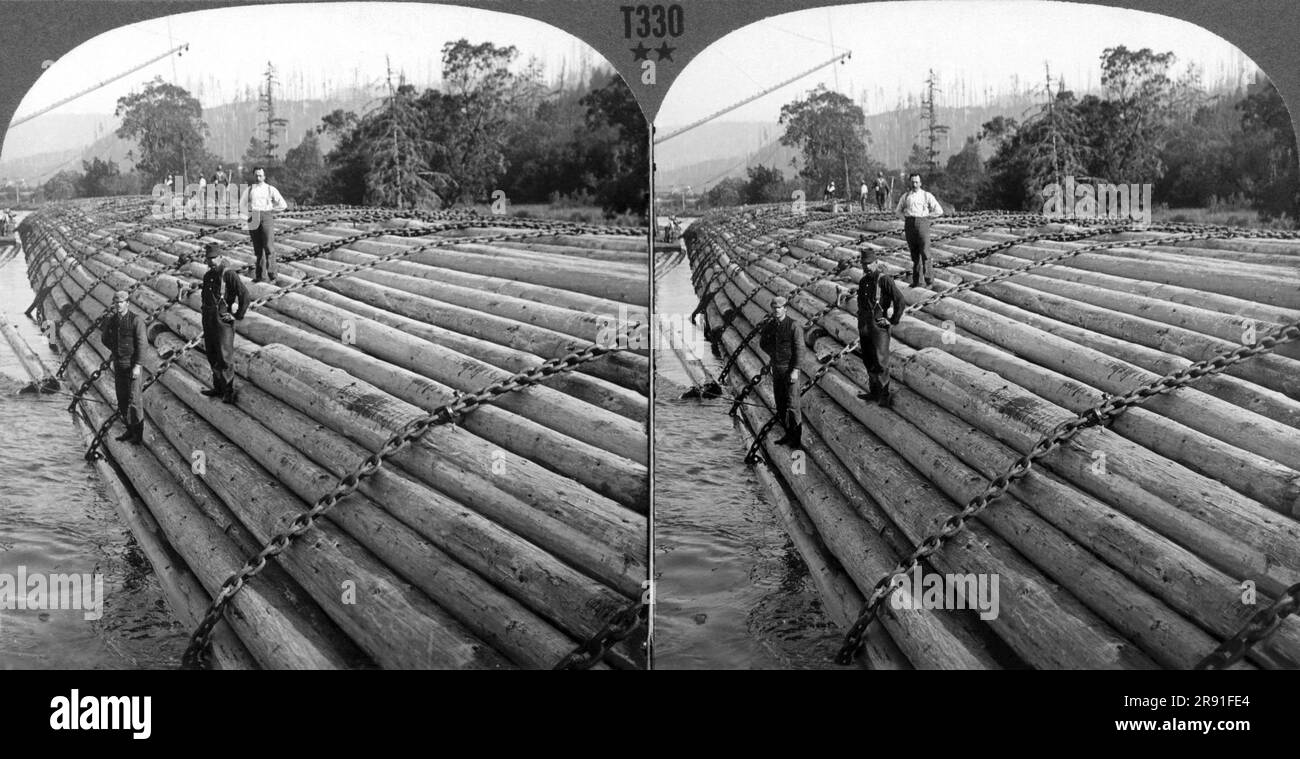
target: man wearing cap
917 207
781 339
260 203
221 288
880 307
123 335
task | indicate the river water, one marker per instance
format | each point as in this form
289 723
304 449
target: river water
55 517
731 589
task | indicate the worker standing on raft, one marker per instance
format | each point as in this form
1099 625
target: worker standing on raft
782 341
123 335
221 288
259 204
917 207
880 307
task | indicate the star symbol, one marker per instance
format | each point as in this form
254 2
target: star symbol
640 52
664 52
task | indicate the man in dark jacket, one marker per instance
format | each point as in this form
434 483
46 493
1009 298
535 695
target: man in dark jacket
880 307
222 287
123 335
782 341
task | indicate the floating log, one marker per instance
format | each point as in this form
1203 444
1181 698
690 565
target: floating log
1172 513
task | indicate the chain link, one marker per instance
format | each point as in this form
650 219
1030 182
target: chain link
620 626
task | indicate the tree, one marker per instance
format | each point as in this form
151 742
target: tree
1267 150
616 150
728 192
471 128
830 131
166 122
303 171
963 177
270 122
765 185
62 186
346 164
1141 100
399 173
100 178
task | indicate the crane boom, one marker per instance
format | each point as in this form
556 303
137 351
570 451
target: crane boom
179 48
752 98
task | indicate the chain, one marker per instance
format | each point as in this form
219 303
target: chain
621 625
408 433
750 384
752 456
735 354
1100 414
1261 625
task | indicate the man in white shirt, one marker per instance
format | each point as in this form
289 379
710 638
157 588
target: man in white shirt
260 204
917 207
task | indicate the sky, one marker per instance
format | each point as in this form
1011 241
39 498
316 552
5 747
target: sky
987 44
229 50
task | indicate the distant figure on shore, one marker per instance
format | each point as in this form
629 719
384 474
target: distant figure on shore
862 194
221 288
260 202
830 190
782 341
917 207
123 335
882 191
880 307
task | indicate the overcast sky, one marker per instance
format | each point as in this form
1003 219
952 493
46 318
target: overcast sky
895 44
327 42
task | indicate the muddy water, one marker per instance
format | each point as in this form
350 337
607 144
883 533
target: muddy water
56 518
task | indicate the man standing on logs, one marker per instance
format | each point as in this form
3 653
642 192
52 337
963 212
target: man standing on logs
880 307
260 204
221 288
918 206
782 341
882 191
123 335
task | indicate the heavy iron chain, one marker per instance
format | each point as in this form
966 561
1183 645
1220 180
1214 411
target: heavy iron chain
408 433
748 388
1098 415
735 354
1261 625
833 359
752 456
619 627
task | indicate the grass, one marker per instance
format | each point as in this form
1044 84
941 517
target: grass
1228 217
562 211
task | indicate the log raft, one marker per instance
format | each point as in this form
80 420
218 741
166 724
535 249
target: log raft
1142 543
505 539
